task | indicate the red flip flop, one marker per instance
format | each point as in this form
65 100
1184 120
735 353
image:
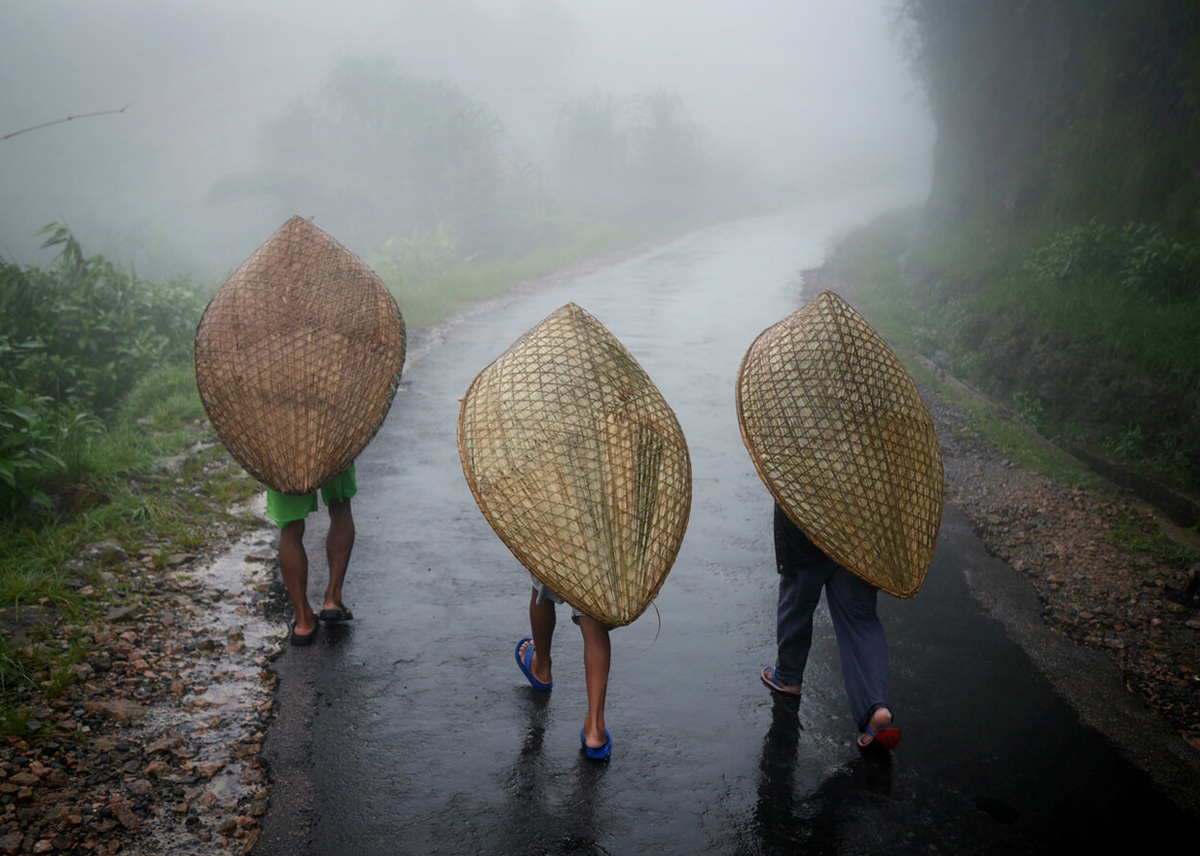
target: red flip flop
884 738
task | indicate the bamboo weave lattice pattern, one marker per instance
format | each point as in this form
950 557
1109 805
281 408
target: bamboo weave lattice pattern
298 357
579 464
840 435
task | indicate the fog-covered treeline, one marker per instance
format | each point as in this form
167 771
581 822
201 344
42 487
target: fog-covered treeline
1058 265
471 121
1052 113
383 154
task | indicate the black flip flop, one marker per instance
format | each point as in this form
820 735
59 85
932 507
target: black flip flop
302 638
335 615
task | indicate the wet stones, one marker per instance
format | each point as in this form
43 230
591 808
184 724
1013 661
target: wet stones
156 740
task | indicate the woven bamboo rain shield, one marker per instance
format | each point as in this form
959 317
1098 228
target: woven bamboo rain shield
579 464
298 357
841 437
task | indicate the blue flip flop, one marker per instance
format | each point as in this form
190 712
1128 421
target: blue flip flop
524 664
768 677
600 753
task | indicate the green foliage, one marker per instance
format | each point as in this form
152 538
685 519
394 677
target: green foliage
1029 410
1143 536
421 258
1158 266
82 332
26 436
1138 258
165 396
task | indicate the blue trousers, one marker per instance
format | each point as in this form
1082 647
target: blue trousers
803 571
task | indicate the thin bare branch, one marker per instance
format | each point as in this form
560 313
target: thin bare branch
68 119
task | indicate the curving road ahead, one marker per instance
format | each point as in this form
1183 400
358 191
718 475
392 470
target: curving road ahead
411 731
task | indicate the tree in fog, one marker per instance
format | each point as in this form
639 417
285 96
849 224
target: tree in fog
668 156
380 153
591 154
641 161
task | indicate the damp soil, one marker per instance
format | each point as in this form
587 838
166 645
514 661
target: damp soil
155 746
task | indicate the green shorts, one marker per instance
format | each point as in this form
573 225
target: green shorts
284 508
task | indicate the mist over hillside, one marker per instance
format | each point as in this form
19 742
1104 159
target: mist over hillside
780 100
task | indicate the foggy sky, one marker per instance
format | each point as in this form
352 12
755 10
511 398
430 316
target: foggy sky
788 84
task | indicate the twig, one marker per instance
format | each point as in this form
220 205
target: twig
68 119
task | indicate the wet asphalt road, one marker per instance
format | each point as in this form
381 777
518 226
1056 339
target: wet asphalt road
411 731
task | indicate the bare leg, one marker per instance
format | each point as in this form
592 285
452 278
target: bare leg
293 567
597 657
542 619
338 544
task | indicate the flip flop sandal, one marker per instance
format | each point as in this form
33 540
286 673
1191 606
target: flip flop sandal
882 740
301 639
335 615
524 662
768 678
598 753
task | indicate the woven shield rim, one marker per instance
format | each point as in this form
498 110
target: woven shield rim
780 497
522 555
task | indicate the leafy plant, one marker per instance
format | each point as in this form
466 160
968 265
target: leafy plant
83 331
1029 410
1157 266
1079 251
418 260
1138 257
26 436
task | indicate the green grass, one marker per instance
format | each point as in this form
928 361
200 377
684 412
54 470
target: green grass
129 499
1159 339
1143 536
870 260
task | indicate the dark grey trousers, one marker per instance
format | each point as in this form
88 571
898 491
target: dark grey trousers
803 571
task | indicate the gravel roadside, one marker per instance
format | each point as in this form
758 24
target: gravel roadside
154 748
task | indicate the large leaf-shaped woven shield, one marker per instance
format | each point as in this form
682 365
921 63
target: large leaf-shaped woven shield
840 435
298 357
579 464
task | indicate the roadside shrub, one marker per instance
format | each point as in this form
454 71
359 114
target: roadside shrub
1084 250
1138 257
26 436
416 261
1158 266
83 331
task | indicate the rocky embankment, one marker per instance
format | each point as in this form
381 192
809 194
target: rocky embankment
1094 588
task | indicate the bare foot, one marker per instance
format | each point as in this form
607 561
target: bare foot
880 719
535 665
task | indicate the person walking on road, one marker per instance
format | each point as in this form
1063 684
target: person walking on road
579 464
289 513
803 571
839 434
